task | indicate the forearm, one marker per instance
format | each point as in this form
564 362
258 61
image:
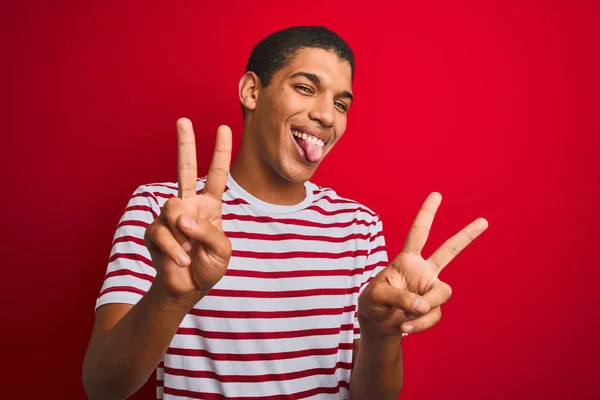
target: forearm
120 361
378 373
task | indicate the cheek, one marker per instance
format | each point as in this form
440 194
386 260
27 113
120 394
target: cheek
289 102
340 128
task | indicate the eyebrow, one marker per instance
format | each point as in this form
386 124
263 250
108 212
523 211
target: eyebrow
317 81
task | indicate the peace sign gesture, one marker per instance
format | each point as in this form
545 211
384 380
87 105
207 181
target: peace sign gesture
406 296
189 250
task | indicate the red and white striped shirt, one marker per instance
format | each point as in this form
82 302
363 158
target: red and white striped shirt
281 323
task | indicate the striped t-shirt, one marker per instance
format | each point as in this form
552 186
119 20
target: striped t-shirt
281 323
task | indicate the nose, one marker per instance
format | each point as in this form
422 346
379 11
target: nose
323 111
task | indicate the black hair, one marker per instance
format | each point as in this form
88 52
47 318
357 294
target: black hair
274 51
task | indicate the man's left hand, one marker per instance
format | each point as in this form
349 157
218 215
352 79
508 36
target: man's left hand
407 295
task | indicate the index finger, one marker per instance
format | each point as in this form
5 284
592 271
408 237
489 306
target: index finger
219 166
187 171
419 230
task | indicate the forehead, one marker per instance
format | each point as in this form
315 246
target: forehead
332 70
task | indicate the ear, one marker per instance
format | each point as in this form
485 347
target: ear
248 90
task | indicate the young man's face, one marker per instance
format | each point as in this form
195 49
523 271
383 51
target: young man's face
302 114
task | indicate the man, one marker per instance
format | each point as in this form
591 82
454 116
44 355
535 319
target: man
254 282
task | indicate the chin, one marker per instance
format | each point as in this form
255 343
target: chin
293 171
290 166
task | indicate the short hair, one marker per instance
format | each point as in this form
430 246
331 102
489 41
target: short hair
274 51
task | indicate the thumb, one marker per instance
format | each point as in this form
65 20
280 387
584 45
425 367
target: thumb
403 299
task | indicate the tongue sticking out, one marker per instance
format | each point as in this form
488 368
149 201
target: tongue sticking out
313 152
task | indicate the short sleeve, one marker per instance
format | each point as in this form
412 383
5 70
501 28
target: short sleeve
130 271
377 260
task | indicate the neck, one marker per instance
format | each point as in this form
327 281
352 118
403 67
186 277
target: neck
262 181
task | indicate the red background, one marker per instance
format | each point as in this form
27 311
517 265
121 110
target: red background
493 104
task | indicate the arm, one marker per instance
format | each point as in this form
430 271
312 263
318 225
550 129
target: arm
377 369
405 297
378 372
189 254
128 343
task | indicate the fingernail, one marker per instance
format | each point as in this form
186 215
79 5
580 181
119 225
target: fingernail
420 306
408 328
183 258
187 246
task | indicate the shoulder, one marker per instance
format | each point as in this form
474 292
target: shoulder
328 198
160 192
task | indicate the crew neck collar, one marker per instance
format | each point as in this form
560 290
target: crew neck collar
239 191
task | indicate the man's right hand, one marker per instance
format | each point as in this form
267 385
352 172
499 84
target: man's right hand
189 250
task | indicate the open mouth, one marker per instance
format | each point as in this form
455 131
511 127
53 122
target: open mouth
310 147
310 138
